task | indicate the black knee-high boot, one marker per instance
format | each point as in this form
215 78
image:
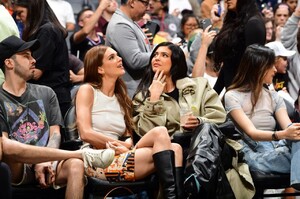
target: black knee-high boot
179 182
164 164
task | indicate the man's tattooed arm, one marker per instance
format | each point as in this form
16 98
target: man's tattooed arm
55 137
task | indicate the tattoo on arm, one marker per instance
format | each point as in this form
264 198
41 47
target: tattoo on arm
54 140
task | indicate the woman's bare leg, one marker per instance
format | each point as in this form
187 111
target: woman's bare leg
143 162
156 140
178 154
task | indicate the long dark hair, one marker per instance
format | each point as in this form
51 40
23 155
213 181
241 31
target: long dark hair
178 68
93 59
255 63
38 13
230 40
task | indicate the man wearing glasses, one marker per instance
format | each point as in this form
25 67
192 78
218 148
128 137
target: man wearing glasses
128 39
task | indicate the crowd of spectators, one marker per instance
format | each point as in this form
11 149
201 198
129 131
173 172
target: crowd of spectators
144 78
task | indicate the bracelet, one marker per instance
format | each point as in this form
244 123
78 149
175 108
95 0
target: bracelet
274 136
289 125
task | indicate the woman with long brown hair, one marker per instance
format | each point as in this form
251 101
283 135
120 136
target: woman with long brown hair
256 110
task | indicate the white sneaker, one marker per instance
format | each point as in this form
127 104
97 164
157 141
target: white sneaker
97 158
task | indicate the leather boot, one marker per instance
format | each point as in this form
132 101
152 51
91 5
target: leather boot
179 182
165 169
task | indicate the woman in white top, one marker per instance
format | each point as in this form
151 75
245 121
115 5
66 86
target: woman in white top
104 116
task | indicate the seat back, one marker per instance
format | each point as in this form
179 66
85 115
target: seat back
71 139
70 130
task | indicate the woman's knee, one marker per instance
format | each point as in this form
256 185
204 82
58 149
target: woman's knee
162 133
176 148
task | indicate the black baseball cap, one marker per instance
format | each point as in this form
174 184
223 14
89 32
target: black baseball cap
12 45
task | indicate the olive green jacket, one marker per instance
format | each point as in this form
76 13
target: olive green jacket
193 92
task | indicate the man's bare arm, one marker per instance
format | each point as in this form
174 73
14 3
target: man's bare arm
55 137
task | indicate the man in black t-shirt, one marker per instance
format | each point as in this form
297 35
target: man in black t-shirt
30 120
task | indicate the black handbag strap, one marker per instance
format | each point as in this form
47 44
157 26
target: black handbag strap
120 187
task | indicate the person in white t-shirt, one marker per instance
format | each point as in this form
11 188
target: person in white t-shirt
176 6
64 13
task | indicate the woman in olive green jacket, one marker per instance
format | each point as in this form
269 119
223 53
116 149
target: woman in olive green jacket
165 89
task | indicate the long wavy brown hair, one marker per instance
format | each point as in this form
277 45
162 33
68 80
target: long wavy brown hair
93 59
255 63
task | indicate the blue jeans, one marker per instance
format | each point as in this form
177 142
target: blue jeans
274 157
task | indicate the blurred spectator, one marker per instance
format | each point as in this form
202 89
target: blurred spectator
8 27
195 4
177 6
169 24
189 22
106 16
206 7
217 13
291 3
281 79
270 30
281 13
8 5
202 58
125 36
87 36
64 13
243 25
203 61
290 38
52 59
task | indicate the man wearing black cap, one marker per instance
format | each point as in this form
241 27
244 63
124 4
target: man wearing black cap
29 114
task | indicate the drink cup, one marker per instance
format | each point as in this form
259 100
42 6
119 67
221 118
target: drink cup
185 113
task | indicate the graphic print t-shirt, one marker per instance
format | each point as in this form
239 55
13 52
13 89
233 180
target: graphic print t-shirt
28 118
